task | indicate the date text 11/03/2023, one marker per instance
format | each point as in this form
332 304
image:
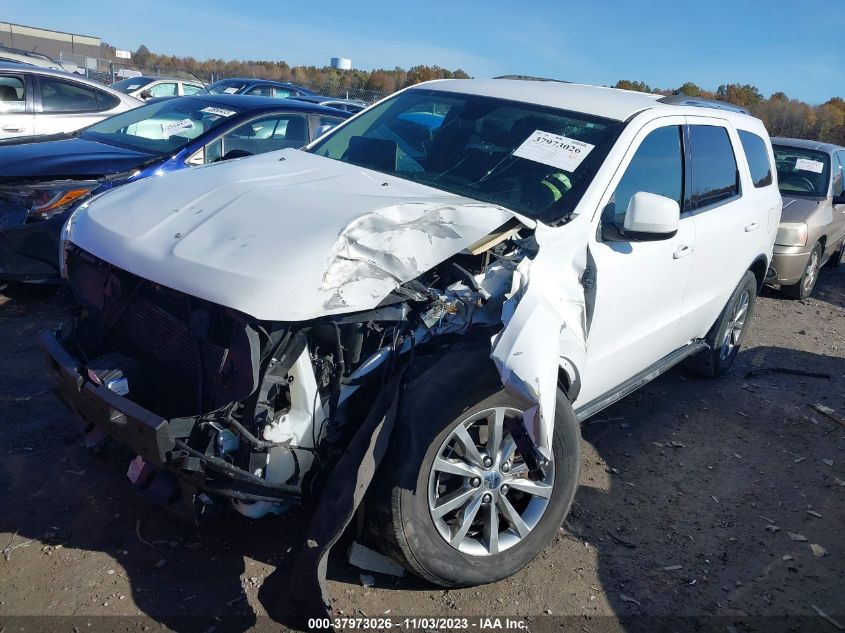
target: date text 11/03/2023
419 623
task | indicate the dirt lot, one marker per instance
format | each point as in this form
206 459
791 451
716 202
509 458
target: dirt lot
697 498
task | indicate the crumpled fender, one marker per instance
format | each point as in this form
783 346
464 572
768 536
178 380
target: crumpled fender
544 322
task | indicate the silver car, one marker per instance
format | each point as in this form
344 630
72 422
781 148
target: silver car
153 87
37 101
811 176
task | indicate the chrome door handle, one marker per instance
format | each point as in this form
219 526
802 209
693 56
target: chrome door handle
753 226
682 251
12 128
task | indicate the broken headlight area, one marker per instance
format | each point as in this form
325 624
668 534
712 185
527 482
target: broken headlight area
254 411
45 199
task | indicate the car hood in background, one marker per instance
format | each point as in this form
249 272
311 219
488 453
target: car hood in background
66 158
284 236
799 209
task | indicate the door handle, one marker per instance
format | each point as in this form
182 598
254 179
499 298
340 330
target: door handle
753 226
682 251
12 128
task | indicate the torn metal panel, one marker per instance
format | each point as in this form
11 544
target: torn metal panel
544 323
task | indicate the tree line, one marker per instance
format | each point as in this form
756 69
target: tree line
380 80
781 115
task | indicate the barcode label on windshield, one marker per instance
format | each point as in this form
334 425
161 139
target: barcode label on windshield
554 150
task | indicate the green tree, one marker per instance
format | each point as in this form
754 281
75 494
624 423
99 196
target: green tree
744 96
690 89
638 86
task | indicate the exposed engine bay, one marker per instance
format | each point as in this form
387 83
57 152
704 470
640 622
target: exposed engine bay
257 411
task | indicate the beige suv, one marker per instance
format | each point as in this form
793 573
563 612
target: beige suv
812 227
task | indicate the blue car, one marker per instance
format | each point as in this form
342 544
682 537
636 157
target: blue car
257 88
43 179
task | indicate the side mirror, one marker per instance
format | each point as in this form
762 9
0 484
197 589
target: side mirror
651 217
840 199
146 94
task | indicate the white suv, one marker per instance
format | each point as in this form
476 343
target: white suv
453 279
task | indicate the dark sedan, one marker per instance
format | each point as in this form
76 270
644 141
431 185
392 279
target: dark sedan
42 180
257 88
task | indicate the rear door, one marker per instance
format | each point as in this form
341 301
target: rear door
639 285
63 105
731 219
16 105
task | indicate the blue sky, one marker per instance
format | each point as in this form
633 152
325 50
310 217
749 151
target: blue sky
797 47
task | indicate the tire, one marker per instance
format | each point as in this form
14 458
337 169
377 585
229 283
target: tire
805 285
835 260
460 386
725 338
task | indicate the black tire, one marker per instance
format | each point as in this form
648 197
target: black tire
835 260
455 386
805 285
717 360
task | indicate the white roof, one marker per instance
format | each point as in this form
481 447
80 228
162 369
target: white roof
610 103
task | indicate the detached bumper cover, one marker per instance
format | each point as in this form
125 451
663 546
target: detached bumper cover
144 432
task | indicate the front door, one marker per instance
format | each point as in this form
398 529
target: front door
639 285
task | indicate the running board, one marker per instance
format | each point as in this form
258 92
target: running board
635 382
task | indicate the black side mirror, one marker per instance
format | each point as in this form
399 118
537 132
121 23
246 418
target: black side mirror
840 199
146 94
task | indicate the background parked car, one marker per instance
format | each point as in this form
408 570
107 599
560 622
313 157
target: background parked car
36 101
812 228
350 105
152 87
41 181
257 88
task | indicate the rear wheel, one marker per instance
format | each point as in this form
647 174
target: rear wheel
728 333
805 285
457 505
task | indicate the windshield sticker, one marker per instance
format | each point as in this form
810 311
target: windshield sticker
805 164
230 90
554 150
169 129
133 86
218 111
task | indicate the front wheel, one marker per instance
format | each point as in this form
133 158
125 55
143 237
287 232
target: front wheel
805 285
458 506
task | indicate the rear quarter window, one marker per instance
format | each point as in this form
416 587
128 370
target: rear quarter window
758 158
714 174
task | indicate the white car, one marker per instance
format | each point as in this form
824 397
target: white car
36 101
151 87
454 279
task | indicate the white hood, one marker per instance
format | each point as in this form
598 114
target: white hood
284 236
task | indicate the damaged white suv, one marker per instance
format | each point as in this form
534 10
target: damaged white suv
429 299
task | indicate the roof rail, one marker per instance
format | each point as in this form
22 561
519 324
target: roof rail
21 51
699 102
530 78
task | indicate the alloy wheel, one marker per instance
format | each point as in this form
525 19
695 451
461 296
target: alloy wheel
810 273
480 496
736 324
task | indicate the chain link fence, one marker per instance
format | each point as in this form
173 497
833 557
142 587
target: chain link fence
108 71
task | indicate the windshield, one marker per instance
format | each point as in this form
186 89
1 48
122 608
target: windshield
534 160
162 127
131 84
226 86
802 172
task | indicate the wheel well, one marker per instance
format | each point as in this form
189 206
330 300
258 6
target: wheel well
823 241
759 268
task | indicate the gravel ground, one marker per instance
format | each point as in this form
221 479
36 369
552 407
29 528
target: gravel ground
698 498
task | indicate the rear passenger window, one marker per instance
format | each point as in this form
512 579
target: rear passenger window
12 97
105 101
758 158
839 174
714 173
58 95
657 167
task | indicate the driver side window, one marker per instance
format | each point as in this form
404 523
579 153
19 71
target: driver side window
657 167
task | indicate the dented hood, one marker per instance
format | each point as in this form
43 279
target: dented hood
285 236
